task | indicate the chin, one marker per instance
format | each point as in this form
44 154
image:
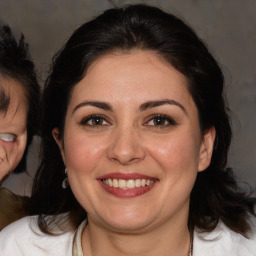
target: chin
127 221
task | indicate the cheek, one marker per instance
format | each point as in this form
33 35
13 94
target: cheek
82 154
175 154
18 150
4 163
83 157
10 156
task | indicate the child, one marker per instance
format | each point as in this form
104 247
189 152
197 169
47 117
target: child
19 97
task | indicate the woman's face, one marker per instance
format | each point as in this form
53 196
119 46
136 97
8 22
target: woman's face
132 143
13 129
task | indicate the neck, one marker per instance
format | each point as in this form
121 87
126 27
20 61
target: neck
169 239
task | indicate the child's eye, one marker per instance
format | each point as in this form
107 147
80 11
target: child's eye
8 137
161 120
94 120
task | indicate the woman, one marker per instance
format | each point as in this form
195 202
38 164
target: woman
19 96
135 104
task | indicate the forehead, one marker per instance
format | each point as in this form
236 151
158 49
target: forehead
137 73
11 88
12 97
4 100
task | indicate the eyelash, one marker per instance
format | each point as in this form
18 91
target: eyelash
102 121
86 120
161 117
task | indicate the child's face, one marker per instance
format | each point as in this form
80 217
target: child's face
13 126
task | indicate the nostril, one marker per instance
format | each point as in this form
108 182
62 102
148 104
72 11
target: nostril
126 150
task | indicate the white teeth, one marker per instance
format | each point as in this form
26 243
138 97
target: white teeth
138 183
115 183
122 184
110 183
128 184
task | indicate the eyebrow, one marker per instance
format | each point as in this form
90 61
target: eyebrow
97 104
157 103
4 101
143 107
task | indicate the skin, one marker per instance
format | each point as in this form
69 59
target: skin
13 130
128 141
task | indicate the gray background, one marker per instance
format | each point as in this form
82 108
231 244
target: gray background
228 27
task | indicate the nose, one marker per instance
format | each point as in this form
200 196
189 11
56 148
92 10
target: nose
126 147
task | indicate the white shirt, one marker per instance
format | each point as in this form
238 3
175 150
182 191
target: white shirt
24 238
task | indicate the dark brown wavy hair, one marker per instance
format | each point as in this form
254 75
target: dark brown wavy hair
216 195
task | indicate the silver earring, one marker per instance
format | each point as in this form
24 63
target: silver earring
65 181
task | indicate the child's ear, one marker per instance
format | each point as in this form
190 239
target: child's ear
56 136
206 149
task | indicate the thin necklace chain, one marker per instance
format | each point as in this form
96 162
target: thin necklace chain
77 252
190 250
191 245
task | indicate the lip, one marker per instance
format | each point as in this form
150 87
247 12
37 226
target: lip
128 193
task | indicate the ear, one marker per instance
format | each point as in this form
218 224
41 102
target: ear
59 141
206 149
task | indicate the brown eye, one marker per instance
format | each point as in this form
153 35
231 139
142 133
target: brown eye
97 121
94 120
161 120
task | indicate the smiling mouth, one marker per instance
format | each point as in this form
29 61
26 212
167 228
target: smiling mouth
128 184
